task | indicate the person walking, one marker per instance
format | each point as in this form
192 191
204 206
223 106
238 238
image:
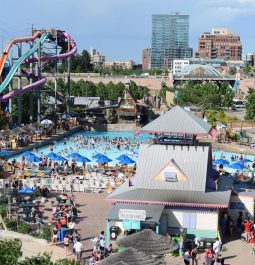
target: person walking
194 256
67 244
252 243
78 248
217 247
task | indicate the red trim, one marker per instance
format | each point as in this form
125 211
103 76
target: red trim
153 132
169 203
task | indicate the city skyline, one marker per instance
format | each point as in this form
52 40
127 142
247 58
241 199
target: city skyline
120 30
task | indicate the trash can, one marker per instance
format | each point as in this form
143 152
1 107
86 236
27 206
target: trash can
62 233
114 232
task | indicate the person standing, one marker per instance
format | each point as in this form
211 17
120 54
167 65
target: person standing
217 247
66 244
252 243
194 256
187 257
78 248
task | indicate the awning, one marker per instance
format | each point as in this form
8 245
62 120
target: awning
153 212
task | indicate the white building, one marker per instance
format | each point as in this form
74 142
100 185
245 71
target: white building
178 65
97 59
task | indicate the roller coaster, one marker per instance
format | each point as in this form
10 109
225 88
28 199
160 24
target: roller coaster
29 64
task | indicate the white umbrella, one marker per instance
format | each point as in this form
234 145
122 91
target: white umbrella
46 122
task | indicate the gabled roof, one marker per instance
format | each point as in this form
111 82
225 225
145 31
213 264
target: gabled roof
191 160
177 120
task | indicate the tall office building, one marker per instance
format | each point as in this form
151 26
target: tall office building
170 40
221 43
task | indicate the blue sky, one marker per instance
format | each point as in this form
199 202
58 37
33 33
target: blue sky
120 29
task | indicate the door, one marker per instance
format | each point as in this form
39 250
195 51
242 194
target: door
163 224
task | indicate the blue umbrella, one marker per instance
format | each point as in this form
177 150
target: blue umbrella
34 159
27 153
126 160
99 155
26 190
46 122
55 156
237 166
221 161
5 153
103 160
79 158
120 157
245 160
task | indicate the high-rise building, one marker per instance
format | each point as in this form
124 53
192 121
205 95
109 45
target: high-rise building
170 40
146 60
221 43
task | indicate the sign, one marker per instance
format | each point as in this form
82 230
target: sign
131 224
130 214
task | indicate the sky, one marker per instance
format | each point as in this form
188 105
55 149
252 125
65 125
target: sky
120 29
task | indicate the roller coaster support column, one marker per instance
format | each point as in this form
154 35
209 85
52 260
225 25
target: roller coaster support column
38 89
56 70
10 90
19 86
68 78
31 101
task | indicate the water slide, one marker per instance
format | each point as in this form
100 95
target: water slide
25 60
13 42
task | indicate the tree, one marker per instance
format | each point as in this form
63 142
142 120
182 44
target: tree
247 68
227 95
250 105
101 91
3 120
10 251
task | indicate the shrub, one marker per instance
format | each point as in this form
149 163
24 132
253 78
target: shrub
10 251
23 228
3 210
11 224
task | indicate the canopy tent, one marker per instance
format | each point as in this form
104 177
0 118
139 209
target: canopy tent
149 242
27 153
55 157
26 190
98 155
221 161
103 160
5 153
65 116
131 256
46 122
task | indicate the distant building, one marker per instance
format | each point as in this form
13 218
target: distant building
119 64
170 40
146 60
220 44
178 65
97 59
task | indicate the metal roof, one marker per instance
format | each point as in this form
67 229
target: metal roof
212 199
153 212
192 160
177 120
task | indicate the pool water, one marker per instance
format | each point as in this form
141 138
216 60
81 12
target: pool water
63 147
71 144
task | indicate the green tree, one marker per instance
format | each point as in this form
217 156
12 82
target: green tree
101 91
250 105
247 68
227 95
3 120
232 71
10 251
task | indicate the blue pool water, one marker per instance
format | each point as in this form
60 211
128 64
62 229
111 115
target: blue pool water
134 140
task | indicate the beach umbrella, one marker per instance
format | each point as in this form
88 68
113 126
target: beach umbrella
28 128
131 256
27 153
55 157
17 130
34 159
221 161
6 132
103 160
5 153
46 122
97 156
245 160
66 116
120 157
149 243
26 190
125 160
237 166
79 158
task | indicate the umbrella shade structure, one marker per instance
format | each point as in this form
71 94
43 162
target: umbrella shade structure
34 159
17 130
131 256
28 128
5 153
7 132
103 160
120 157
245 160
237 166
55 157
221 161
149 243
27 153
79 158
125 160
26 190
46 122
66 116
97 156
